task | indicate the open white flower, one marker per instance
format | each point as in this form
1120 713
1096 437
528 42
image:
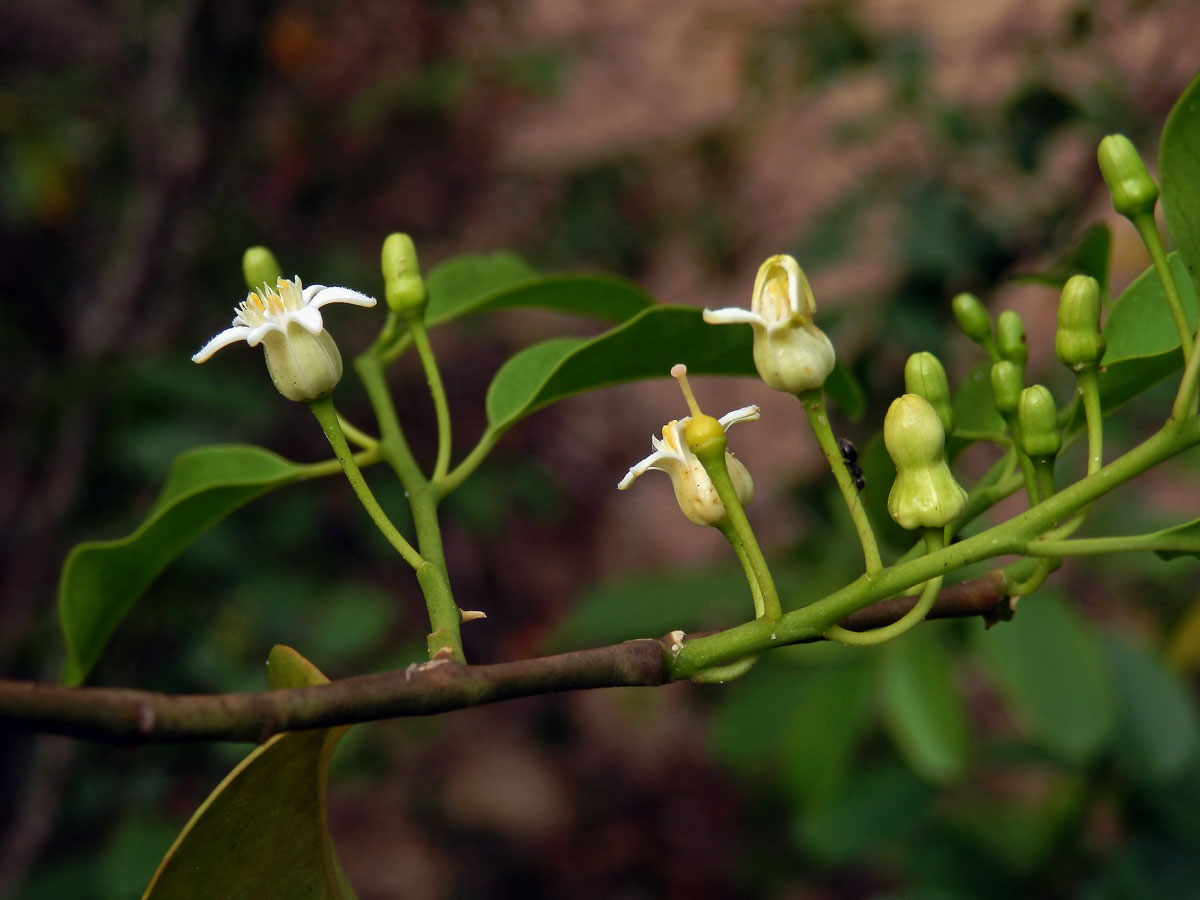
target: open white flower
790 352
693 488
301 355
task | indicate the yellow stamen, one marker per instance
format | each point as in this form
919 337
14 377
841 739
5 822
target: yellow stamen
679 373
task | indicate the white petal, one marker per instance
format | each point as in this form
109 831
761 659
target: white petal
653 461
254 338
308 318
745 414
322 295
224 339
733 315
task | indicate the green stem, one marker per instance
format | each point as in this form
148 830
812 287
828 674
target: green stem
1185 398
934 540
1027 470
1089 391
423 497
1147 228
1176 543
332 466
441 409
357 435
327 417
460 473
1010 537
739 526
814 407
739 550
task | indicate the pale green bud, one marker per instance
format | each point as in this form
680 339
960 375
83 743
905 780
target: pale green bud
1010 338
259 267
1079 342
1040 437
924 375
924 494
1133 190
1007 382
404 288
304 366
972 317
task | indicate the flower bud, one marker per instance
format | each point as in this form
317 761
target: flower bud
924 375
1040 437
260 268
404 288
1133 190
304 366
1079 342
972 318
924 493
1007 382
1010 338
790 352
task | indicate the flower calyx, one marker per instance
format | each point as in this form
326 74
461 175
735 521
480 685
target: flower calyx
925 493
301 356
790 352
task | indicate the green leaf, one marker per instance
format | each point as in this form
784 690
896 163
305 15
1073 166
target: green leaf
922 708
1183 540
975 409
1179 177
847 392
101 580
469 284
1143 343
1158 736
646 346
261 834
1050 667
1089 256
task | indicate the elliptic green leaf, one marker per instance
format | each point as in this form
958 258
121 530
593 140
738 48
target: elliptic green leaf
646 346
262 833
922 708
1050 667
101 579
1179 177
1143 343
1182 540
468 284
1158 735
975 409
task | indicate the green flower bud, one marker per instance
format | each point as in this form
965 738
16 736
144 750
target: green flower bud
1079 342
1040 437
972 318
1007 382
1133 190
404 288
924 493
260 268
924 375
1010 338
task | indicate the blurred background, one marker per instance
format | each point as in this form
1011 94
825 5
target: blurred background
902 150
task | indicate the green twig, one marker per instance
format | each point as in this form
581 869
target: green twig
1147 228
327 417
441 409
737 529
814 407
739 550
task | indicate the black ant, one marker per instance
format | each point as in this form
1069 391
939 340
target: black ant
850 458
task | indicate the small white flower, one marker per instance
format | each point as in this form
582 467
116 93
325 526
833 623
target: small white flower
301 355
693 489
790 352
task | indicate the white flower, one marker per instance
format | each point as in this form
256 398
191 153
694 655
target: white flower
301 355
790 352
693 489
